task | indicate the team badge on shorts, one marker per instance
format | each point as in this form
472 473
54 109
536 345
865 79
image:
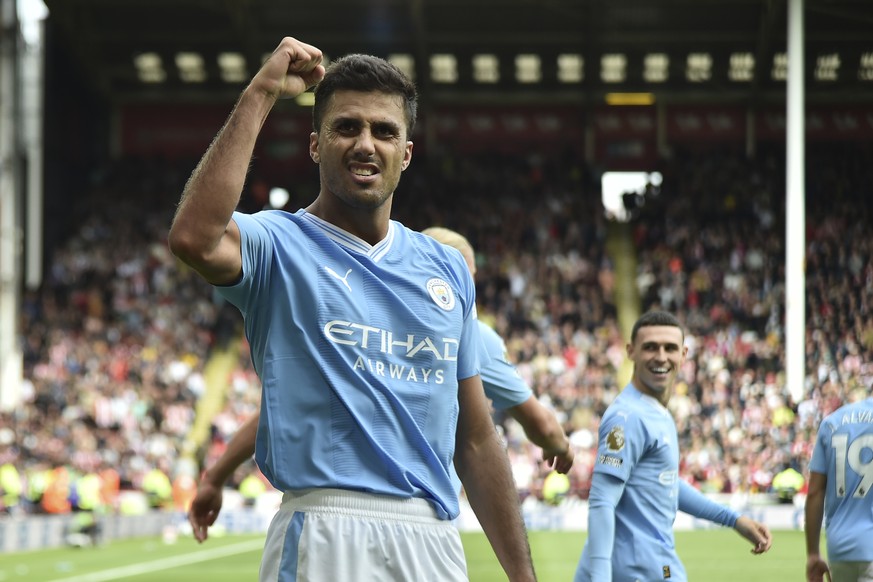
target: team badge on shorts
666 571
441 293
615 439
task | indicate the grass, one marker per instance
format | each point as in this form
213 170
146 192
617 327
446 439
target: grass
709 556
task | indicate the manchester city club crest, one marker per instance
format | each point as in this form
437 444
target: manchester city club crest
441 293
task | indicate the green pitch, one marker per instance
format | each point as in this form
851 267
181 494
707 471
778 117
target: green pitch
709 556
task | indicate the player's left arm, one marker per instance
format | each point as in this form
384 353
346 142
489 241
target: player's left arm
694 502
483 467
543 429
208 500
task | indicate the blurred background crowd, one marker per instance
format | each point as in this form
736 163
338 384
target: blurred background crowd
117 339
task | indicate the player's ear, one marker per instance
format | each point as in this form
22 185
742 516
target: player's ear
313 147
407 156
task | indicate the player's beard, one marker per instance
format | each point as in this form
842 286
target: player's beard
356 196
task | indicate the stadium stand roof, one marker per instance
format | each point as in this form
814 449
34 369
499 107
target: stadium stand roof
505 51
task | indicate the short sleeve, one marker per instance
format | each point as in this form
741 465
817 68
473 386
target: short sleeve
819 463
503 385
621 443
256 247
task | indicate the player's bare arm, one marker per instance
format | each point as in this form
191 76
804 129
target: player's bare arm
484 470
202 234
207 502
817 568
543 429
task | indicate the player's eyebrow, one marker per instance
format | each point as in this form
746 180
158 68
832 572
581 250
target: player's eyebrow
349 121
651 345
379 125
386 127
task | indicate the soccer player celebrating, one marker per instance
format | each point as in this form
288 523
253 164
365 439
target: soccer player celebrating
636 490
363 334
840 479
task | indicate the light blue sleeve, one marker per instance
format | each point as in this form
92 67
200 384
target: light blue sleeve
468 359
503 385
694 502
606 491
256 248
621 442
819 461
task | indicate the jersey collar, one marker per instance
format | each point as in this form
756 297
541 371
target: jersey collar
352 242
651 400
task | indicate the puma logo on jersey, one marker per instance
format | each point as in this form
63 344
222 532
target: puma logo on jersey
342 279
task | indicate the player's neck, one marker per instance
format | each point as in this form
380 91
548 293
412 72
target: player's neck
662 396
370 225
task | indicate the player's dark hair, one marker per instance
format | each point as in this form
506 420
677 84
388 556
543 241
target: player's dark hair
357 72
656 318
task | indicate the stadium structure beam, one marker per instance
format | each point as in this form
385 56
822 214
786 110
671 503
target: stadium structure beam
10 211
795 215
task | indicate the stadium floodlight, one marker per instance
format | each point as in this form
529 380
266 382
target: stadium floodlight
571 68
443 68
656 67
486 68
190 65
405 62
742 67
865 68
279 197
528 69
613 68
698 67
780 67
233 67
150 67
827 67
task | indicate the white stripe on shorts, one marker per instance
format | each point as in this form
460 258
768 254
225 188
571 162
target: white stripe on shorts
338 535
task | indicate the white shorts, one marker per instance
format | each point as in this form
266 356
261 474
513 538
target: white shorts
334 535
851 571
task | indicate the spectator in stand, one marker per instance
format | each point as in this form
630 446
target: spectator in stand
787 483
11 486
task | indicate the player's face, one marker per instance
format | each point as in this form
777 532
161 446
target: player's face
361 147
657 353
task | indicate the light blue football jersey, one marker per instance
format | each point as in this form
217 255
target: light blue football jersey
503 385
359 349
638 444
844 452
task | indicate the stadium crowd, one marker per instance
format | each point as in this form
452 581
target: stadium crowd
116 339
